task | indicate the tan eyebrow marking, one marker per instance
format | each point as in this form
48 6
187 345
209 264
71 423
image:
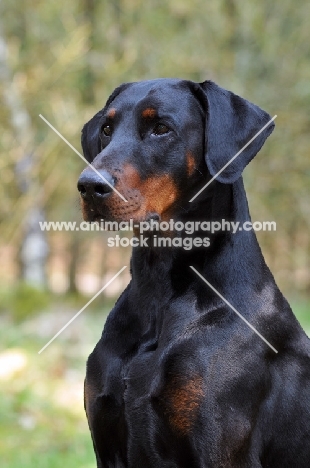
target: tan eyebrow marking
149 113
111 113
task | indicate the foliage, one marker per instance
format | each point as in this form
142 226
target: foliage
24 300
43 423
64 59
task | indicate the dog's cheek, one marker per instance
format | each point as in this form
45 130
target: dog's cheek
118 210
190 164
154 194
160 193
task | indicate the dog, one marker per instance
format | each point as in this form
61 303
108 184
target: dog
177 379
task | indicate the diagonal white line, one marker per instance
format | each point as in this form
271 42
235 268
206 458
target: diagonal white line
235 310
82 157
83 308
233 158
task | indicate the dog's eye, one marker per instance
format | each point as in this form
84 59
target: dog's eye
106 130
160 129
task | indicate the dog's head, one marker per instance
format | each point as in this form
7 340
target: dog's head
156 143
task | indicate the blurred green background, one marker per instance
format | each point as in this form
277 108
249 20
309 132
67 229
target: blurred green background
62 60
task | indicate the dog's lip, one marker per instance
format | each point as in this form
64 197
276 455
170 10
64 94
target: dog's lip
93 215
153 216
99 217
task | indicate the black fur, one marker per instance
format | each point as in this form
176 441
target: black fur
177 379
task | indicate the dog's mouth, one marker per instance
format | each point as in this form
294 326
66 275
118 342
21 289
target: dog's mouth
118 212
151 198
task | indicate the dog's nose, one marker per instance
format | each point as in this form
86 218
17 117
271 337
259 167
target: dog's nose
91 185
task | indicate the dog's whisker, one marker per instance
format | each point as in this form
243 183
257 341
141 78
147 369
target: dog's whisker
201 346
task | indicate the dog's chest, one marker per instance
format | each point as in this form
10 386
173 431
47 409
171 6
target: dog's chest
145 398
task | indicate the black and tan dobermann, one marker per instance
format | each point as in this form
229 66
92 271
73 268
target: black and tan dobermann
177 379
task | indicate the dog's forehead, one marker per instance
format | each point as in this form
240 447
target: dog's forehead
169 94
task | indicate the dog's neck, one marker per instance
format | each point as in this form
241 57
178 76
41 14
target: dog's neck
231 257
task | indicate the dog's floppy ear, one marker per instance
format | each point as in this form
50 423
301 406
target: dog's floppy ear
90 139
231 123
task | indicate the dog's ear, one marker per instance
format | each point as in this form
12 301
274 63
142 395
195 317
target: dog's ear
231 122
90 138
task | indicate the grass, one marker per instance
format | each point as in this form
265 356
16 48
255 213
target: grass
302 311
43 423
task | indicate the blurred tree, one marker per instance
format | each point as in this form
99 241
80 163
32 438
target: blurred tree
33 248
66 58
